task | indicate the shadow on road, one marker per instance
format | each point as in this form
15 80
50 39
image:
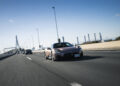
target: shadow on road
5 57
81 59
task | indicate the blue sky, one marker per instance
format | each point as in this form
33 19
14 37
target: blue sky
75 18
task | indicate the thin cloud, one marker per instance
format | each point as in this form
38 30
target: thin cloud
117 14
11 20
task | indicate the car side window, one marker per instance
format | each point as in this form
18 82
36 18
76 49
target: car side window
69 45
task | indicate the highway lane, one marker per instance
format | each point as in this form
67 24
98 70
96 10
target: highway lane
96 68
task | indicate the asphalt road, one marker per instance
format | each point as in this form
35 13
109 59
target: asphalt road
96 68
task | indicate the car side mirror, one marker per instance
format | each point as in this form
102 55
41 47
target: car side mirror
78 46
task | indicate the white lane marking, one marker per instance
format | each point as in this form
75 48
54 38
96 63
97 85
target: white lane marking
29 58
75 84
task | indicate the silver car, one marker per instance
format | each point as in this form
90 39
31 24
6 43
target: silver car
63 49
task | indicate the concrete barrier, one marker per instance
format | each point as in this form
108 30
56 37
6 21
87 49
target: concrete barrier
113 45
38 51
7 54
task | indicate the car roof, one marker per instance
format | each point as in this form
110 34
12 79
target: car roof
60 42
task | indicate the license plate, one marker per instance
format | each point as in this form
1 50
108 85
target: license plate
76 55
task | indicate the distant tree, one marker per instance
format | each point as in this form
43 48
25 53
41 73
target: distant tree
118 38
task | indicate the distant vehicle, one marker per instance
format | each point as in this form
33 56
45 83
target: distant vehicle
63 49
28 51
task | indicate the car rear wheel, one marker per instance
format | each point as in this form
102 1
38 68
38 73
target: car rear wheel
54 58
81 55
46 57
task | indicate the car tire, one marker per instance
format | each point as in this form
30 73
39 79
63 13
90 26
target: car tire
46 57
81 55
54 58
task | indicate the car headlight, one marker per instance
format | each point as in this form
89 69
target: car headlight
57 51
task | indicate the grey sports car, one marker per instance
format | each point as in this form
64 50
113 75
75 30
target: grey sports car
63 49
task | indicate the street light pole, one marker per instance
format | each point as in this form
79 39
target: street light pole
32 41
95 36
56 23
38 37
77 40
85 38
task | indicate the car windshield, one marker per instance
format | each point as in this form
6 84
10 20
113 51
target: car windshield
59 45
